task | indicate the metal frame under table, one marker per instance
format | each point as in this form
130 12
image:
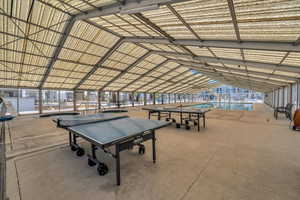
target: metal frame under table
186 115
138 131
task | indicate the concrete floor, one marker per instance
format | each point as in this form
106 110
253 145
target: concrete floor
241 155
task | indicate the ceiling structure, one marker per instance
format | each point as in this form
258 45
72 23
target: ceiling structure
164 46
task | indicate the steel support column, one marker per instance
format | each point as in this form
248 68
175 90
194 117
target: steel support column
40 101
118 99
145 98
132 99
74 100
99 99
291 94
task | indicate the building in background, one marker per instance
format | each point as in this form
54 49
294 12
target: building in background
226 93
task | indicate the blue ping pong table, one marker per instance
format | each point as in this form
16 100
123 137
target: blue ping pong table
104 130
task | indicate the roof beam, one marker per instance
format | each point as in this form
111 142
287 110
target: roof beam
121 7
154 26
186 89
254 85
162 75
263 65
234 20
67 29
180 74
100 62
183 21
176 88
201 80
126 70
157 78
262 82
236 28
254 45
199 66
255 78
145 74
102 28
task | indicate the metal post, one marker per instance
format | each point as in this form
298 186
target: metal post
175 98
132 99
99 100
117 157
291 93
59 92
162 98
74 100
153 98
40 101
278 90
118 99
273 98
18 100
169 98
153 147
283 96
145 98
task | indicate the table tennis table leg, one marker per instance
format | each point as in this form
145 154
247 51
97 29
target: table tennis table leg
70 138
93 149
153 147
204 120
181 118
149 114
74 139
158 115
117 157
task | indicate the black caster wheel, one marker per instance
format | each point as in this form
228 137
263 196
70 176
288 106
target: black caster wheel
91 163
80 152
173 120
142 150
177 125
73 148
187 127
195 123
102 169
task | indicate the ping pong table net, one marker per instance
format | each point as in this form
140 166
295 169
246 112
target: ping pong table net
88 120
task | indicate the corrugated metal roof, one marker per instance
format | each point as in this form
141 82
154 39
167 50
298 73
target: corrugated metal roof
41 46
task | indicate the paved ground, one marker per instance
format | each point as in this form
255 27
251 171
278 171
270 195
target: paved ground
241 155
